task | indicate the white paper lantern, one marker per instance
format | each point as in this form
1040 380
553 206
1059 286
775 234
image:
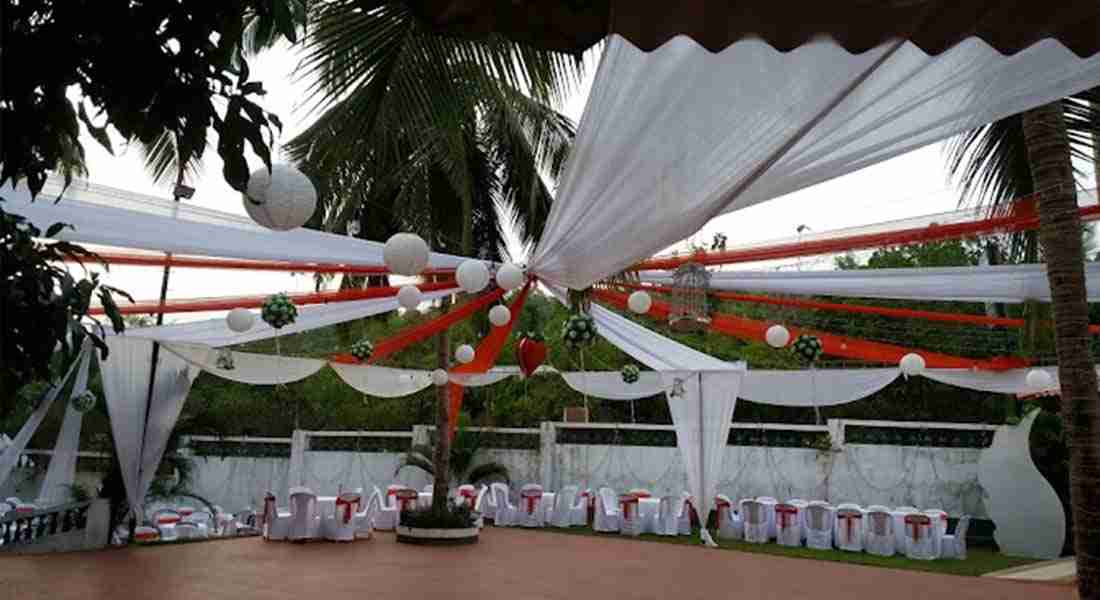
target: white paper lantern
912 364
1039 380
639 302
472 276
409 296
509 276
282 200
499 315
240 320
777 336
405 254
464 353
439 377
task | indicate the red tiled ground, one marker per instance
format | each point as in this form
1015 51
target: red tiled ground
507 563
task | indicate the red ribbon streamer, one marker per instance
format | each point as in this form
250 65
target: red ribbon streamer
406 338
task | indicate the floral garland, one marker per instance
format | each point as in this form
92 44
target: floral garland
84 401
279 311
579 331
362 350
807 347
631 374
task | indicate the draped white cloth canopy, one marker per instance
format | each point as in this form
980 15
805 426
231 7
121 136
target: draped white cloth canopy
62 470
674 137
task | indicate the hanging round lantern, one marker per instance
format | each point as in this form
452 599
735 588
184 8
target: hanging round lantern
84 401
777 336
282 199
579 331
405 254
409 297
639 302
362 350
499 315
279 311
240 320
911 364
509 276
631 374
464 353
807 347
1039 380
440 377
472 276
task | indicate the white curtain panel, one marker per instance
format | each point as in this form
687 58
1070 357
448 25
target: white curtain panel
256 369
609 385
384 382
62 470
493 375
113 217
10 456
983 283
814 387
214 332
675 137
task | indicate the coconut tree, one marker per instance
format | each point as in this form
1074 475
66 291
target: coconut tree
451 138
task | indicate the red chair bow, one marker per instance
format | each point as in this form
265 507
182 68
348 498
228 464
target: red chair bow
347 503
469 495
531 499
405 497
722 508
848 517
917 521
168 519
784 512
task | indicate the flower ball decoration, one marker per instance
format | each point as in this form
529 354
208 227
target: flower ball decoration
279 311
807 347
630 374
362 350
579 331
84 401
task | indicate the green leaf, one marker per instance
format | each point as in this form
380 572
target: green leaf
98 133
54 229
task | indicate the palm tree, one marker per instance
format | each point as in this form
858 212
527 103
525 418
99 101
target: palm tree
464 450
446 137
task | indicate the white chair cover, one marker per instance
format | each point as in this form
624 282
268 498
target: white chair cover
819 526
730 526
954 545
466 494
341 525
564 502
878 530
506 513
668 518
579 512
630 519
788 524
165 520
939 527
385 517
304 523
364 521
274 524
849 528
919 541
801 505
607 514
530 509
687 505
186 530
484 502
769 510
754 514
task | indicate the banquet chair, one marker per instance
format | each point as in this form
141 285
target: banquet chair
165 521
819 526
754 515
586 501
730 526
668 517
954 545
304 522
365 519
801 505
203 520
879 531
769 511
919 543
530 497
187 530
145 534
687 507
788 527
386 516
506 514
274 524
606 517
564 502
939 526
185 511
849 528
407 499
246 522
466 494
630 521
342 524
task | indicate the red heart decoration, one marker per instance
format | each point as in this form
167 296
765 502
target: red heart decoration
530 354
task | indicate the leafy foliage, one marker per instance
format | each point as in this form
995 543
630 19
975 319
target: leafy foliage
452 517
465 448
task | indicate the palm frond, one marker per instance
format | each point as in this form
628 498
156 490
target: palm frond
163 161
416 461
489 470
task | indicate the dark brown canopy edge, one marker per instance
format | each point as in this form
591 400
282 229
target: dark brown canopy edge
858 25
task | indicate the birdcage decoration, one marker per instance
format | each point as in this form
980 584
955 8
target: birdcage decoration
688 310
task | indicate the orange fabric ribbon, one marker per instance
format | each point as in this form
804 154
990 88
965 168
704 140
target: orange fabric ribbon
347 506
785 513
406 338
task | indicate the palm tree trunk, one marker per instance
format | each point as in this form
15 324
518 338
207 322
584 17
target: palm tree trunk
442 459
1060 235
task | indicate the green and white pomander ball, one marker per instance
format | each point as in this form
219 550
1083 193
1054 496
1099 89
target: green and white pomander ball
630 374
579 331
362 349
84 401
279 311
807 347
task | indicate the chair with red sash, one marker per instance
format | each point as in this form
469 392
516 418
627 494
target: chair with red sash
406 500
584 508
769 511
849 528
385 517
819 526
668 515
754 515
342 525
879 531
606 516
561 515
185 511
939 527
467 494
954 545
530 497
686 512
919 543
630 522
274 524
145 534
366 518
730 526
788 525
305 524
165 521
506 514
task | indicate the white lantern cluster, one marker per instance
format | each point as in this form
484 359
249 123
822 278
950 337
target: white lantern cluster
240 320
639 302
464 353
777 336
440 377
1039 380
409 297
499 315
405 254
472 276
282 199
510 276
912 364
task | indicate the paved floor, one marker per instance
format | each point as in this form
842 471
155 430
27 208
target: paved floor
1062 570
508 564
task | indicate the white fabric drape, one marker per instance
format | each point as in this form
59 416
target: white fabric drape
140 437
609 385
814 387
384 382
983 283
493 375
10 456
256 369
1001 382
62 470
674 137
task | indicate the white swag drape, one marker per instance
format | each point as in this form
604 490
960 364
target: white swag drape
62 470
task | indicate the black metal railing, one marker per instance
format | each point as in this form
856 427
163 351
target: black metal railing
21 528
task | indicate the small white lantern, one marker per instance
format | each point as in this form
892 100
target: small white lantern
472 276
405 254
777 336
409 297
509 276
912 364
282 200
1038 380
639 302
499 315
464 353
240 320
439 377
